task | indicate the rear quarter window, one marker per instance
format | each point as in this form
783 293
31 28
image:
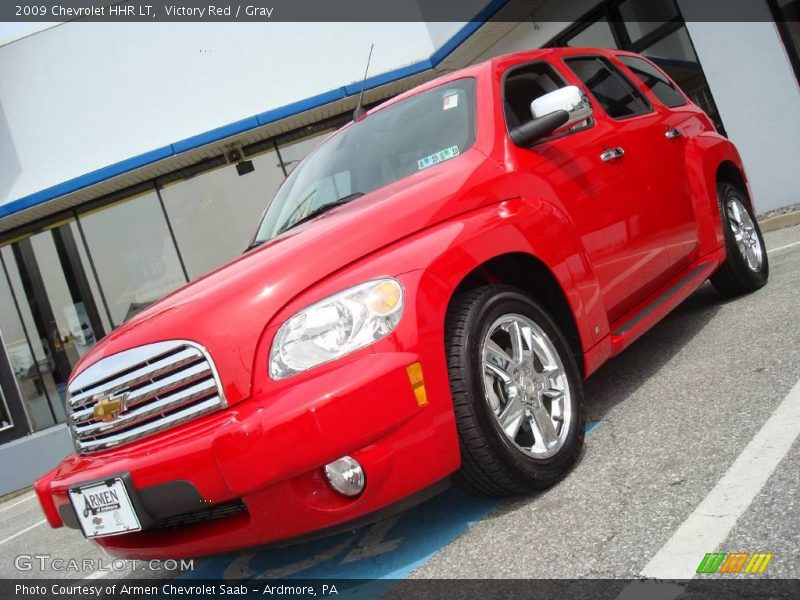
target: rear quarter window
663 89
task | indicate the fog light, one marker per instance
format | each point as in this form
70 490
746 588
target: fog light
346 476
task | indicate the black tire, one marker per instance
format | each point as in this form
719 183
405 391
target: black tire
491 464
735 277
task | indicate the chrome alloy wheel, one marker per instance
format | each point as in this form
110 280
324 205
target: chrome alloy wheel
526 386
744 232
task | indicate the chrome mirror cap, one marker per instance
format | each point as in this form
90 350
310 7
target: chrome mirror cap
571 99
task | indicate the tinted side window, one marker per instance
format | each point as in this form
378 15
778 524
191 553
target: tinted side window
615 94
662 87
522 86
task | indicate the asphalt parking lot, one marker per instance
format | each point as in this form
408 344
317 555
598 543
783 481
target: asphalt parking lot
692 448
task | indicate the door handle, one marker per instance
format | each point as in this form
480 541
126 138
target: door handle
612 154
671 134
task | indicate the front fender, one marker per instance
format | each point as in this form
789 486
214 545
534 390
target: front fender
449 251
538 230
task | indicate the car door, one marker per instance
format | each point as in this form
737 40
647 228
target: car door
679 122
650 144
596 186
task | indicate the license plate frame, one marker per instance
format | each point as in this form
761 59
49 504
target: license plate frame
105 508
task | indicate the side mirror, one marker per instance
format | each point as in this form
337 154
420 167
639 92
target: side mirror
557 110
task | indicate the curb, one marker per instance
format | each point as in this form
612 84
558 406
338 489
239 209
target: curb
772 223
16 494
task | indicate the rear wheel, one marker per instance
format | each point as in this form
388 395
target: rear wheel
746 267
517 393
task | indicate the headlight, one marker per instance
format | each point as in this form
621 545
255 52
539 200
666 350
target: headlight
336 326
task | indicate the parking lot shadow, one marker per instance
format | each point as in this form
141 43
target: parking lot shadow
622 376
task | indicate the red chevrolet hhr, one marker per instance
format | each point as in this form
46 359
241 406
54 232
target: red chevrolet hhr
421 302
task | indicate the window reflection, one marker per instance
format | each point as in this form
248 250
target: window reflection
70 328
33 364
787 17
661 86
293 152
86 266
643 17
610 88
134 254
596 35
5 417
215 214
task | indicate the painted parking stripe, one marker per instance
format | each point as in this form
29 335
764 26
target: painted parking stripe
18 502
19 533
711 522
779 248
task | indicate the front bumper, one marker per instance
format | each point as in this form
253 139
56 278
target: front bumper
266 454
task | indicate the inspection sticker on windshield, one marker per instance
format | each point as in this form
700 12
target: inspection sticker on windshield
437 157
450 100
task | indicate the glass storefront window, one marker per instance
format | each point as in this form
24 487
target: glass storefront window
134 254
33 365
215 214
293 152
596 35
787 19
92 281
71 329
676 47
49 318
5 416
643 17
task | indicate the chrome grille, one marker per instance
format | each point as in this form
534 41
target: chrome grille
158 386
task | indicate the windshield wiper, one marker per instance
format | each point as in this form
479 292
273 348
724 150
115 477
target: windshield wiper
323 209
255 244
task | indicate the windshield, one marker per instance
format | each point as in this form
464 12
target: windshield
415 134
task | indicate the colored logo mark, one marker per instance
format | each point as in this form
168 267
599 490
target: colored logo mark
734 562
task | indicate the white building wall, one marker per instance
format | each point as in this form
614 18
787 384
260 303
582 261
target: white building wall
758 97
81 96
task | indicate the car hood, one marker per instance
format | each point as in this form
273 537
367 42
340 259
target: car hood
227 310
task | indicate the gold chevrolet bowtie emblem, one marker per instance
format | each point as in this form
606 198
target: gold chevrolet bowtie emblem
108 407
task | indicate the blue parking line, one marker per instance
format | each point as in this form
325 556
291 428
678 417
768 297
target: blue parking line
388 550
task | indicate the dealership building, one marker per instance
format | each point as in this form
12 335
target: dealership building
137 157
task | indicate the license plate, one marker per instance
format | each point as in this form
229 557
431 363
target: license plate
104 508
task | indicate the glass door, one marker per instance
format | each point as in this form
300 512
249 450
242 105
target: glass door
13 418
59 312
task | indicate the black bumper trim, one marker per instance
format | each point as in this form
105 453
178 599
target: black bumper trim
153 504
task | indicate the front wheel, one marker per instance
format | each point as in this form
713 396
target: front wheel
516 390
746 267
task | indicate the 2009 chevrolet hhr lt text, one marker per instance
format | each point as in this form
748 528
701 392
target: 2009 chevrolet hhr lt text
422 301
